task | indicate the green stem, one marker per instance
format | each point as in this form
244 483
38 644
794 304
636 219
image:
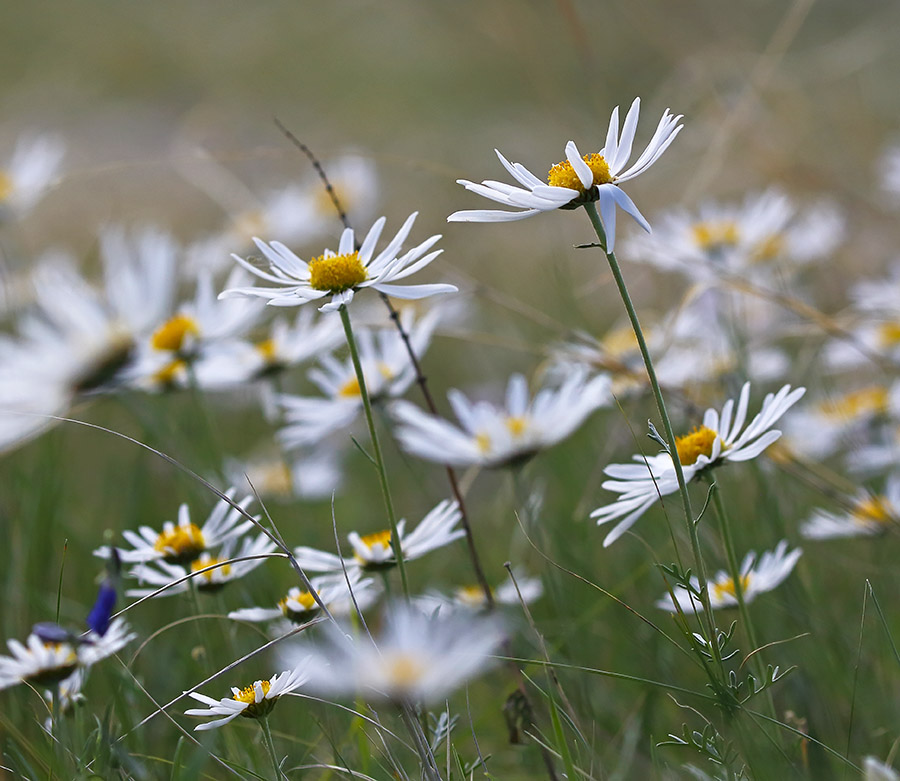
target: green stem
591 210
270 746
376 447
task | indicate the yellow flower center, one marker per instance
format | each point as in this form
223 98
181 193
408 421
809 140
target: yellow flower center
336 273
872 400
169 373
889 334
205 579
306 601
769 248
324 204
255 708
726 588
710 236
563 175
248 694
180 543
482 442
698 443
621 342
65 666
350 389
872 508
473 596
382 538
6 186
404 671
268 350
172 334
516 425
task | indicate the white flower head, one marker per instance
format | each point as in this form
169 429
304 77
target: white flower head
578 180
183 542
255 701
493 437
873 768
340 274
372 552
417 658
722 438
757 577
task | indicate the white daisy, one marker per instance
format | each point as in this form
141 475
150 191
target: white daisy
374 551
756 578
495 437
160 573
578 180
95 647
30 172
873 768
386 367
719 440
340 274
865 514
314 476
418 658
185 541
472 597
254 702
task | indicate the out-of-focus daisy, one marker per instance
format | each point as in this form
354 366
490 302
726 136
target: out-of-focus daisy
68 696
418 658
816 430
183 542
873 768
340 274
889 170
313 476
720 439
373 552
386 367
31 170
865 514
299 606
472 597
254 702
578 179
493 437
208 572
757 577
868 338
745 239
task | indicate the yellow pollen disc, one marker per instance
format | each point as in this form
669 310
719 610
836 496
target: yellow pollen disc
268 350
6 186
473 596
482 442
209 561
337 273
621 341
872 508
324 204
769 248
403 670
698 443
726 587
563 175
172 334
715 235
865 401
350 389
181 542
516 425
169 373
889 334
305 599
248 694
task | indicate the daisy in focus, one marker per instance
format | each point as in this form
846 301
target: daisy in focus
417 658
183 542
493 437
865 514
719 440
339 275
578 179
757 577
253 702
374 552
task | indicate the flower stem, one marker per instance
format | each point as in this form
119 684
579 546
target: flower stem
270 746
376 447
592 213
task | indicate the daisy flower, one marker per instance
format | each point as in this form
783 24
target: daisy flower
253 702
873 768
757 577
30 172
865 514
314 476
495 437
372 552
340 274
159 574
719 440
418 658
185 541
472 597
578 180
